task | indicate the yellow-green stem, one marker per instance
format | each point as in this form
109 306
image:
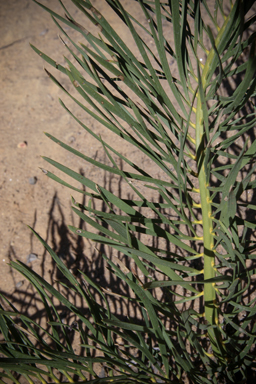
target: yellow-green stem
209 271
211 314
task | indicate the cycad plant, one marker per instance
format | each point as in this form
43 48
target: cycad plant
188 228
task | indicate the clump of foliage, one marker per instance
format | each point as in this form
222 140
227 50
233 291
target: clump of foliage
188 127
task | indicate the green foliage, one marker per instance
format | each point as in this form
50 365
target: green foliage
187 127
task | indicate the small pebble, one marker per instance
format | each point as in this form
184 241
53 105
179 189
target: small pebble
44 32
23 145
31 257
102 373
63 316
71 139
19 284
32 180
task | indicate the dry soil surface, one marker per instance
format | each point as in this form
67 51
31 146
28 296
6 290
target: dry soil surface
28 107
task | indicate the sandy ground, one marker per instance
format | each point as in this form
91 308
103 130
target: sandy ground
28 107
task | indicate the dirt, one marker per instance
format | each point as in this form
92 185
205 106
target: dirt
29 107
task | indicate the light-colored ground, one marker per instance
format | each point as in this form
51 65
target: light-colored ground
28 107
